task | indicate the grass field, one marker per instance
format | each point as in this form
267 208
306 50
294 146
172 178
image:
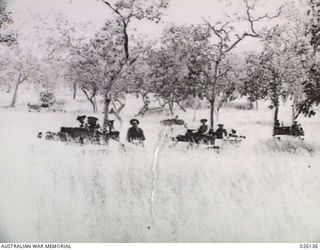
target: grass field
259 191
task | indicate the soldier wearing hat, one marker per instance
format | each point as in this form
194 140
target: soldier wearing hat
296 129
221 132
92 123
110 124
135 134
203 129
81 119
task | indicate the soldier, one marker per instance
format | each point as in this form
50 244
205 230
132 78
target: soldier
135 134
110 124
92 123
295 125
296 129
221 132
203 129
81 119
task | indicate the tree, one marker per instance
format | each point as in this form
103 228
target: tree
312 83
181 67
279 72
169 75
63 45
226 39
84 71
21 66
313 27
251 86
7 37
113 42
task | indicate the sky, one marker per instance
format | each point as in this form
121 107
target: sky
179 12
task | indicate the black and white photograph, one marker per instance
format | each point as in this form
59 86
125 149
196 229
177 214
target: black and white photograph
160 121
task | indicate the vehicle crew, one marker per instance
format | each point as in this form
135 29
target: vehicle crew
135 134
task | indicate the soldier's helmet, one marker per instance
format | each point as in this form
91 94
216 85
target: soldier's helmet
203 120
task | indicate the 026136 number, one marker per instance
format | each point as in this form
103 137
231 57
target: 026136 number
309 246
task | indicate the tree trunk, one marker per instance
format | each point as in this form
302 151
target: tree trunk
116 109
276 115
143 110
94 107
213 94
294 115
91 100
220 103
250 103
275 100
170 103
212 113
181 107
145 106
74 91
15 94
257 105
95 104
117 112
106 110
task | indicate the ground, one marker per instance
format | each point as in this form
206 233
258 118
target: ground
259 191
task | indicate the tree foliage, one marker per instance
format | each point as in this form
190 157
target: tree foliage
7 36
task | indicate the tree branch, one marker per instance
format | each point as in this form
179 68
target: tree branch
113 9
125 22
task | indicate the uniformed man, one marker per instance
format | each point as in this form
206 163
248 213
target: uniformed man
81 119
135 134
296 129
203 129
221 132
92 123
110 124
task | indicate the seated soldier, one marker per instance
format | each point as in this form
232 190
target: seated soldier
135 134
110 124
296 129
81 119
221 132
295 125
203 129
92 123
